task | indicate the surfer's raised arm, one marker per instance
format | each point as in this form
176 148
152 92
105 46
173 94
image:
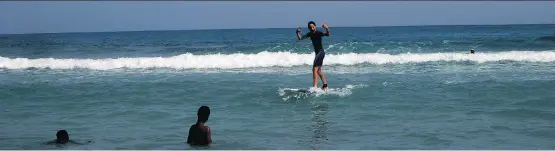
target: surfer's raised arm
325 26
301 37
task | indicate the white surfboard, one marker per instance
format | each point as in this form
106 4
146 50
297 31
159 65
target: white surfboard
297 90
306 90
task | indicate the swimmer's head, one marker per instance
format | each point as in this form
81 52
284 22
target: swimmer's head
472 51
62 136
312 26
203 114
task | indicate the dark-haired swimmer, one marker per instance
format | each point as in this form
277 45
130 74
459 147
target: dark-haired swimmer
199 134
62 137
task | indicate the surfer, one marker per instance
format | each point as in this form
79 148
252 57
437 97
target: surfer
316 37
199 134
62 137
472 51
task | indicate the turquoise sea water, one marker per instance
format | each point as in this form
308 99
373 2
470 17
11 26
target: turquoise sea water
393 88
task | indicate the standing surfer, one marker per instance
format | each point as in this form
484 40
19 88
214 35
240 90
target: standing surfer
316 37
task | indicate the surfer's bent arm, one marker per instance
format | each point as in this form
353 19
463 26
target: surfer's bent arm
301 37
327 31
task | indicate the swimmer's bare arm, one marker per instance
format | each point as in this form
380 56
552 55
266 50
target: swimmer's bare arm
325 26
209 135
50 142
71 141
301 37
78 143
189 140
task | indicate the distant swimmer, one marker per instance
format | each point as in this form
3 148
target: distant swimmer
316 37
471 51
199 134
62 137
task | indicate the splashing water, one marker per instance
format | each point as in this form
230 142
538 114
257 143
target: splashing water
293 93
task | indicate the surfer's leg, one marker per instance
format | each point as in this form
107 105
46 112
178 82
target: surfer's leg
322 77
318 59
315 76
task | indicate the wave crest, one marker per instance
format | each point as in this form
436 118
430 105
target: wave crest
268 59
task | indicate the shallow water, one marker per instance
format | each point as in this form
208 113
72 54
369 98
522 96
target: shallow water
392 89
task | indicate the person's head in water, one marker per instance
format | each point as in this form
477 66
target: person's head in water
312 26
203 114
62 137
472 51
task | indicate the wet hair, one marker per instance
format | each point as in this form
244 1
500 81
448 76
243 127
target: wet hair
203 114
62 136
310 22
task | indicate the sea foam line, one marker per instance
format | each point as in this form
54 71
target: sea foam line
268 59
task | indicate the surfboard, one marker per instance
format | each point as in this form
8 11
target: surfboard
297 90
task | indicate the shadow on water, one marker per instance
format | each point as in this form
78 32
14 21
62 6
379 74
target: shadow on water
316 110
317 106
319 125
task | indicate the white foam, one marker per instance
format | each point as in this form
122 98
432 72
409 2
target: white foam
268 59
317 92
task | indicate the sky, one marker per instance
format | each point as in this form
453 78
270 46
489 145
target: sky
87 16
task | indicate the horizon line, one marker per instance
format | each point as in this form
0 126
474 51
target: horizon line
261 28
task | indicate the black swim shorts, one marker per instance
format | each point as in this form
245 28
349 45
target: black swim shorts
319 59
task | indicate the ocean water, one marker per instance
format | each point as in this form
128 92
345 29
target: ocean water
392 88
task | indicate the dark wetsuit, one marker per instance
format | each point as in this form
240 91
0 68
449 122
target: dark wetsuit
197 136
316 38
